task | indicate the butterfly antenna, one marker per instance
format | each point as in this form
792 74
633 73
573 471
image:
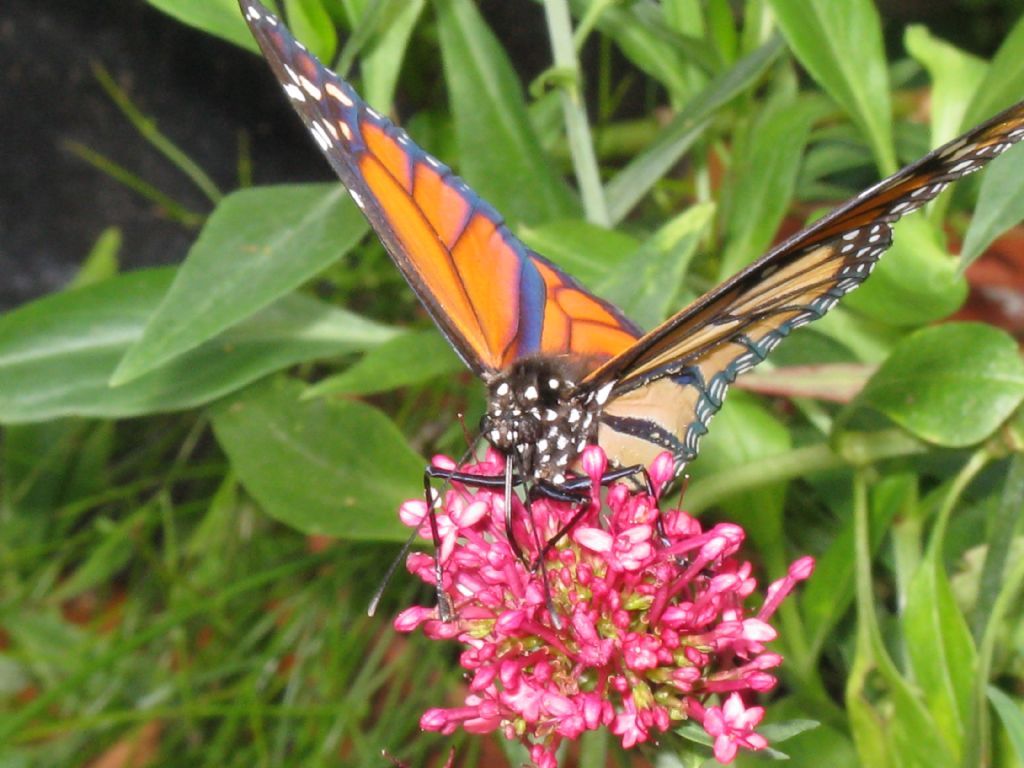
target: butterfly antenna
683 486
379 593
471 441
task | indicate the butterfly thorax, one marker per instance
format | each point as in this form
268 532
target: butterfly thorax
537 413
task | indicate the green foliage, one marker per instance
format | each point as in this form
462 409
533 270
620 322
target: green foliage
179 443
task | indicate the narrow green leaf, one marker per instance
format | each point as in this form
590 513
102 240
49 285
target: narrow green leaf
499 153
116 546
645 285
765 172
311 24
999 545
939 648
744 430
1010 714
57 354
840 45
680 62
411 358
956 76
258 245
1001 86
1000 205
37 460
722 28
636 179
218 17
102 261
952 384
590 253
336 467
381 61
783 731
826 597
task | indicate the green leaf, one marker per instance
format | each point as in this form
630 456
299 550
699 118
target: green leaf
218 17
952 385
765 172
1013 719
258 245
381 60
102 261
646 285
411 358
57 354
1000 544
588 252
1001 86
645 36
499 153
722 28
311 24
956 76
744 430
840 45
827 597
777 733
335 467
636 179
892 728
115 548
939 648
915 282
1000 205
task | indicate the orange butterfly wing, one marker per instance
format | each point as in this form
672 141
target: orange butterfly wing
495 300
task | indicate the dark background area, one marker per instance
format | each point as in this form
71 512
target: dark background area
203 93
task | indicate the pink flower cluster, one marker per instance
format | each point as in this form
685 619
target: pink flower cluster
651 628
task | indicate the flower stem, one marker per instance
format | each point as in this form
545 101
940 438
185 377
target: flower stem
852 450
578 128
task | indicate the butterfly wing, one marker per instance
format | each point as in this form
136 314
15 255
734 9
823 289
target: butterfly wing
670 383
494 299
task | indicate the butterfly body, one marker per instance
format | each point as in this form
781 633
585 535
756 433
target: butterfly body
563 367
537 412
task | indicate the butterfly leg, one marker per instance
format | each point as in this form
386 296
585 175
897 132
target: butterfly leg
505 480
445 609
577 491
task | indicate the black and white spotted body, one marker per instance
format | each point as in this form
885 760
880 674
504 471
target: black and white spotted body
537 412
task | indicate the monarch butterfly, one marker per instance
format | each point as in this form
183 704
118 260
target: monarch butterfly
563 367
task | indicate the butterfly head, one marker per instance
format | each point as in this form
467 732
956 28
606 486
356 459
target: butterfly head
537 411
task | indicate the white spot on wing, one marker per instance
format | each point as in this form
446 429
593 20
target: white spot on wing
337 93
320 135
309 87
